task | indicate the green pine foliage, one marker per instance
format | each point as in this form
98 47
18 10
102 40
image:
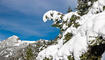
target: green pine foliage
69 10
68 36
74 18
96 49
29 54
98 41
83 6
76 25
103 7
73 21
56 25
93 53
70 58
48 58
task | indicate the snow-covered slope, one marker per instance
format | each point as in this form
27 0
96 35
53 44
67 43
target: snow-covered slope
92 25
11 45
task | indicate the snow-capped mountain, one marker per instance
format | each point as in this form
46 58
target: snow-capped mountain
12 45
14 49
14 41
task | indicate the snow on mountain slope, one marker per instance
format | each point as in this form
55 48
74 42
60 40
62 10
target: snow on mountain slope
11 45
13 41
91 25
15 49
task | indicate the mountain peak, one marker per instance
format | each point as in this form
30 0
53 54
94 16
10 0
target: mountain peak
13 38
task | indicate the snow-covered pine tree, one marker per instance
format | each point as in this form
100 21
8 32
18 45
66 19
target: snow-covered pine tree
83 36
69 10
84 5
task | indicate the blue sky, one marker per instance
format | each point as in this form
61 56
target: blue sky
24 18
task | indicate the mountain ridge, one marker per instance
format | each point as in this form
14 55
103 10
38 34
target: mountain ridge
13 48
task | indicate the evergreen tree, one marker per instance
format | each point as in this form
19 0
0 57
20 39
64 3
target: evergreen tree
69 10
93 53
84 5
29 54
